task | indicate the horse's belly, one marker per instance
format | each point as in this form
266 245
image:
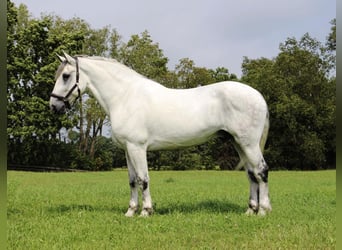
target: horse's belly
180 140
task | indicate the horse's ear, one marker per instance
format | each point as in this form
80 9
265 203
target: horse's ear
69 59
61 58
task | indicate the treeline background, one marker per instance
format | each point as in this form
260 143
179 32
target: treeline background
298 85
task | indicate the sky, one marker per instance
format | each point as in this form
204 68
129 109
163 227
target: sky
212 33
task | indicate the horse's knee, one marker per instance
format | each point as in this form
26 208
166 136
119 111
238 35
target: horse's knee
143 183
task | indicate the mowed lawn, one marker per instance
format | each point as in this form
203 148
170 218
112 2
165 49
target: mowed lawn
193 210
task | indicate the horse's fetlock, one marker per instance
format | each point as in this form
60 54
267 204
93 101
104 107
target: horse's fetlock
253 205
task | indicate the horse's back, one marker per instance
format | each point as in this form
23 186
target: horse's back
226 90
211 102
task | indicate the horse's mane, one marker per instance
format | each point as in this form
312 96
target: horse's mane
111 60
96 58
99 58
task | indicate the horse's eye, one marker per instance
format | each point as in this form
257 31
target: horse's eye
66 76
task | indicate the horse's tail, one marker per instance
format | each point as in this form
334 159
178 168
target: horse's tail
265 132
262 142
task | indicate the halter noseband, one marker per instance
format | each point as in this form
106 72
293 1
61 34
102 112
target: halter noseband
65 98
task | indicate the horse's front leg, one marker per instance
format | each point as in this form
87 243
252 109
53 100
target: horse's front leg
146 199
132 178
137 156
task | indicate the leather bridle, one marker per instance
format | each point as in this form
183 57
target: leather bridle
65 98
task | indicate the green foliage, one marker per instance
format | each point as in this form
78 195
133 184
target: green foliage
190 76
100 154
331 40
30 69
193 210
32 48
144 56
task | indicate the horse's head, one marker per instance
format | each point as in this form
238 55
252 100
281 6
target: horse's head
69 86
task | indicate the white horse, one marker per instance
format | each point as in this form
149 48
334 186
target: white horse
145 116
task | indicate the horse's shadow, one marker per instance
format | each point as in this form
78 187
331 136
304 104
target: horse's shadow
209 206
62 208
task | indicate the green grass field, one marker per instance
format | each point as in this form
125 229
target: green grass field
193 210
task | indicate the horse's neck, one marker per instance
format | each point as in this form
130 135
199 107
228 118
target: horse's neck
108 81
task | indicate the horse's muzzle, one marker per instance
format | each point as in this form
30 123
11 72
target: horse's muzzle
58 109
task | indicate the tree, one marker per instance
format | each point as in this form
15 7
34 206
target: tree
185 74
90 130
96 42
221 74
27 109
144 56
31 65
331 39
115 44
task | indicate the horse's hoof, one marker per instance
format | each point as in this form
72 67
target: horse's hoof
262 212
146 212
253 208
130 212
250 211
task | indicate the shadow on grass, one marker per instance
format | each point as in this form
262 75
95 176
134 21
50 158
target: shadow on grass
210 206
60 209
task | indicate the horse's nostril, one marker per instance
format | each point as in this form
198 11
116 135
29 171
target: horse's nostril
57 109
53 108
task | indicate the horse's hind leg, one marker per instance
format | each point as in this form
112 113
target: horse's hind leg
257 171
253 203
